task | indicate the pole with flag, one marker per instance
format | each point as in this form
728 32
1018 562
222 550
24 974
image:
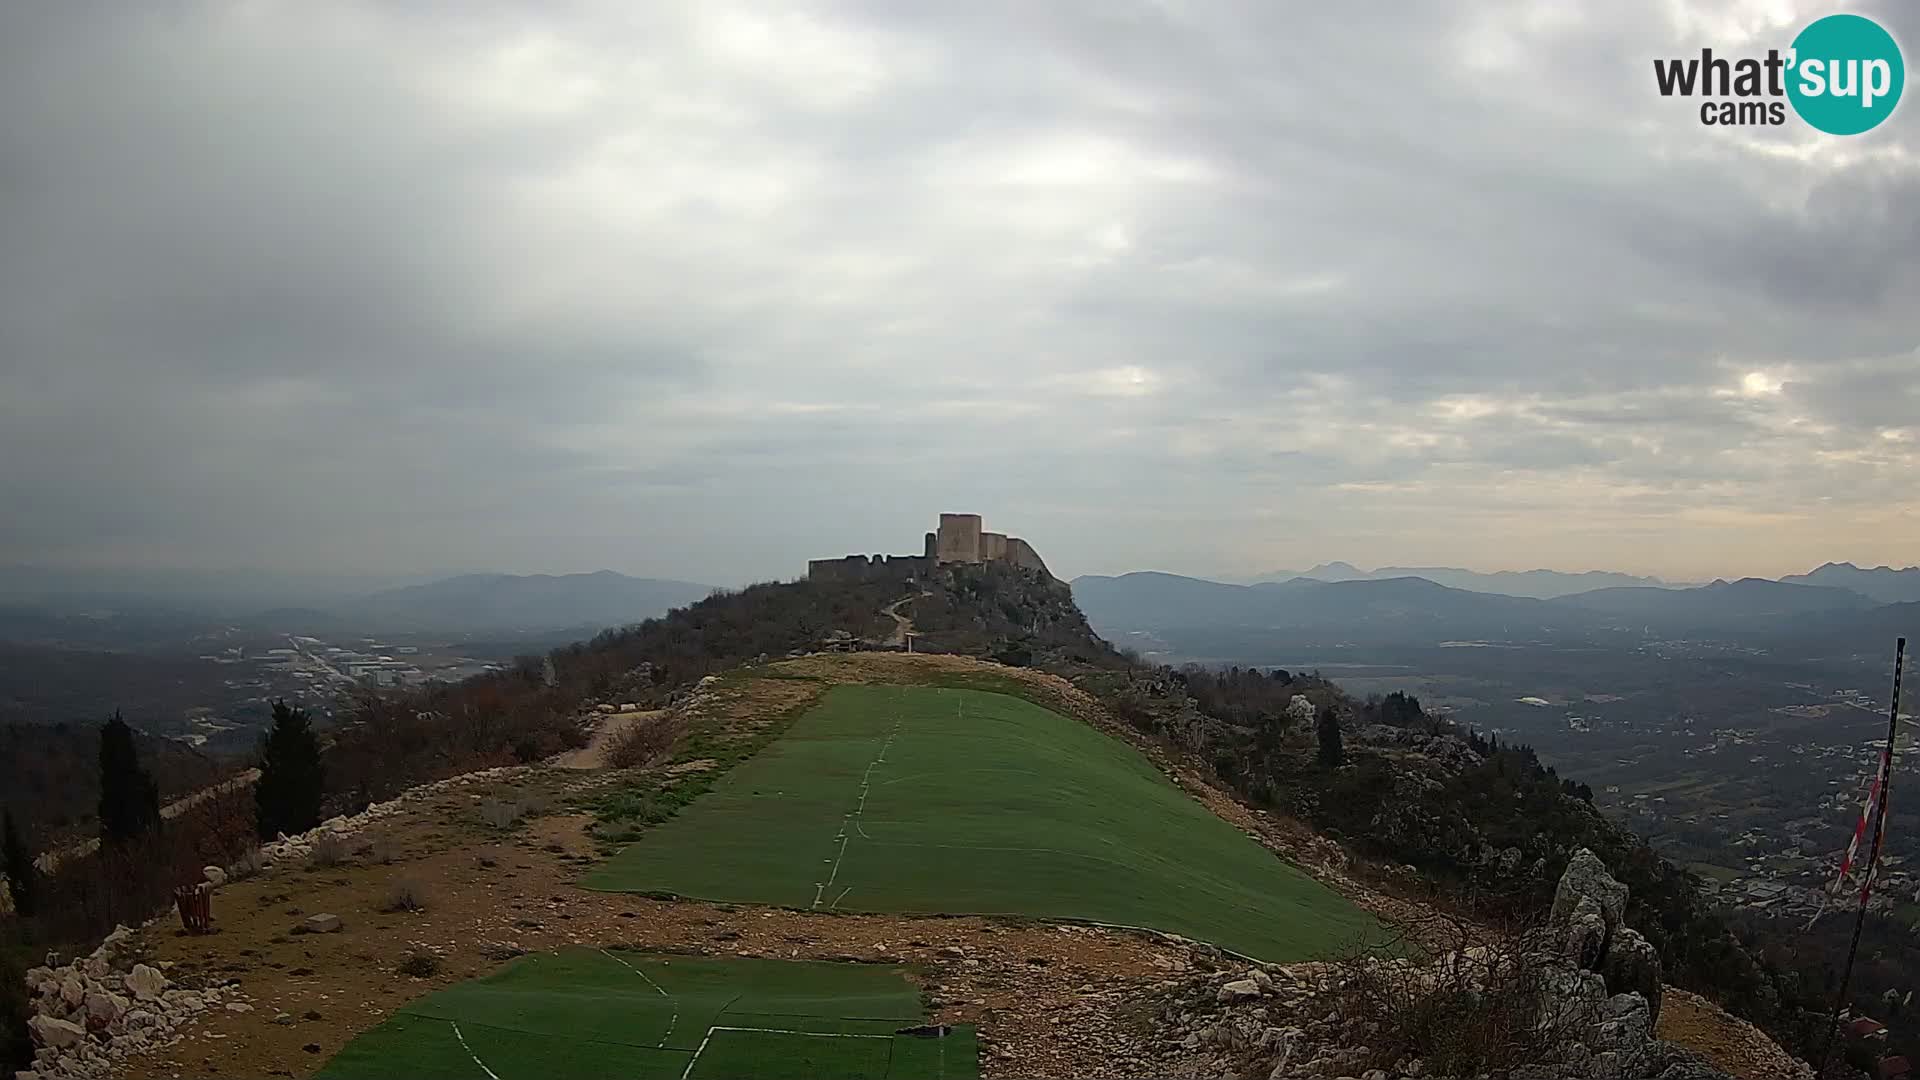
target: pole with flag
1873 816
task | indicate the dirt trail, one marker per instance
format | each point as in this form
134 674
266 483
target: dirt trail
902 626
611 727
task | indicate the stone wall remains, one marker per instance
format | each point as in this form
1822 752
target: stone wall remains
868 567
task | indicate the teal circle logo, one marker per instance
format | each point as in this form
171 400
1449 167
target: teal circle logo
1846 74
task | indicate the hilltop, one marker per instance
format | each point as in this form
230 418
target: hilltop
1414 819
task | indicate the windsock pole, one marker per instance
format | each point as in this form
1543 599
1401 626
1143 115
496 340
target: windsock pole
1873 851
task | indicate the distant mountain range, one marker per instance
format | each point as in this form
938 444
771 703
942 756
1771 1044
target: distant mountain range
1538 584
1882 583
482 602
1410 609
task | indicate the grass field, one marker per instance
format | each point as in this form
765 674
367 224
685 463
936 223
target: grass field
584 1012
922 799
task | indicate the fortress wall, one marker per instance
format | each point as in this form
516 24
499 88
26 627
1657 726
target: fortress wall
959 538
1021 553
993 546
868 568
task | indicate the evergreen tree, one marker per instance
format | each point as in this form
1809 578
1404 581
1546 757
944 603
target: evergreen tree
287 795
1332 751
17 862
129 799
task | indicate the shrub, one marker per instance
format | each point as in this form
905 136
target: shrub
406 894
643 741
420 964
1483 1008
249 864
499 813
329 850
381 849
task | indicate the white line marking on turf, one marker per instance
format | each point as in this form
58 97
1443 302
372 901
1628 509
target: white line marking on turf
675 1019
470 1053
866 784
842 896
688 1071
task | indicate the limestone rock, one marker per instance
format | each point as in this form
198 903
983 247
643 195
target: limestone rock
105 1007
323 924
1587 876
1632 965
215 876
55 1034
1239 990
1585 941
145 983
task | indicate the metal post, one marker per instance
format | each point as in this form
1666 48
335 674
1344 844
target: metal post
1873 851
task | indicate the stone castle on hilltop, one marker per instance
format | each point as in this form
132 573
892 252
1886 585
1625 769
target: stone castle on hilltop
959 539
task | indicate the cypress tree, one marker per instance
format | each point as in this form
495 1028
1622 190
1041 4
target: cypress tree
129 799
292 780
1332 751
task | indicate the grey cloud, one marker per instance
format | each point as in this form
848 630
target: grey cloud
389 289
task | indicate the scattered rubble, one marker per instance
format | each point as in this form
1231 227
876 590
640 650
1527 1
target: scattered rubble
94 1013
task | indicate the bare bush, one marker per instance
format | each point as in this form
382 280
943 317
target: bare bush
405 894
248 863
85 896
1485 1004
644 741
420 964
382 850
329 850
499 813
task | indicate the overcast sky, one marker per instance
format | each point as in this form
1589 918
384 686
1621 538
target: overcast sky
703 290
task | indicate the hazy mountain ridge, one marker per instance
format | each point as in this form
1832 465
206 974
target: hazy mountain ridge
1413 608
527 602
1534 584
1882 583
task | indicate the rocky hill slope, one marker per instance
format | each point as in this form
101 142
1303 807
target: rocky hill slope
1460 841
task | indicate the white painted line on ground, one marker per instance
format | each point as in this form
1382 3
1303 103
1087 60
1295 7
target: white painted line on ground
470 1053
688 1071
866 784
675 1019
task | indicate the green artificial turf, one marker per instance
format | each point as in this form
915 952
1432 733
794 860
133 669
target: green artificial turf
925 799
584 1012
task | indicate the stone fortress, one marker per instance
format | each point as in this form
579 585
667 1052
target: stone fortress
958 540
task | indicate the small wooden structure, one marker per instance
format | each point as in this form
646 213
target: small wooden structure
196 906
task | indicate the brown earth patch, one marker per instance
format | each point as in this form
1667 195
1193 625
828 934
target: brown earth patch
490 896
1731 1044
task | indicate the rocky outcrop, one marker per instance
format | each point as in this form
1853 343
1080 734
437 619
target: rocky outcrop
93 1013
1583 994
1589 919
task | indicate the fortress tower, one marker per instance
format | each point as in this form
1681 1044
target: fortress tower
959 539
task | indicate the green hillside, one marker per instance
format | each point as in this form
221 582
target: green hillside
921 799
